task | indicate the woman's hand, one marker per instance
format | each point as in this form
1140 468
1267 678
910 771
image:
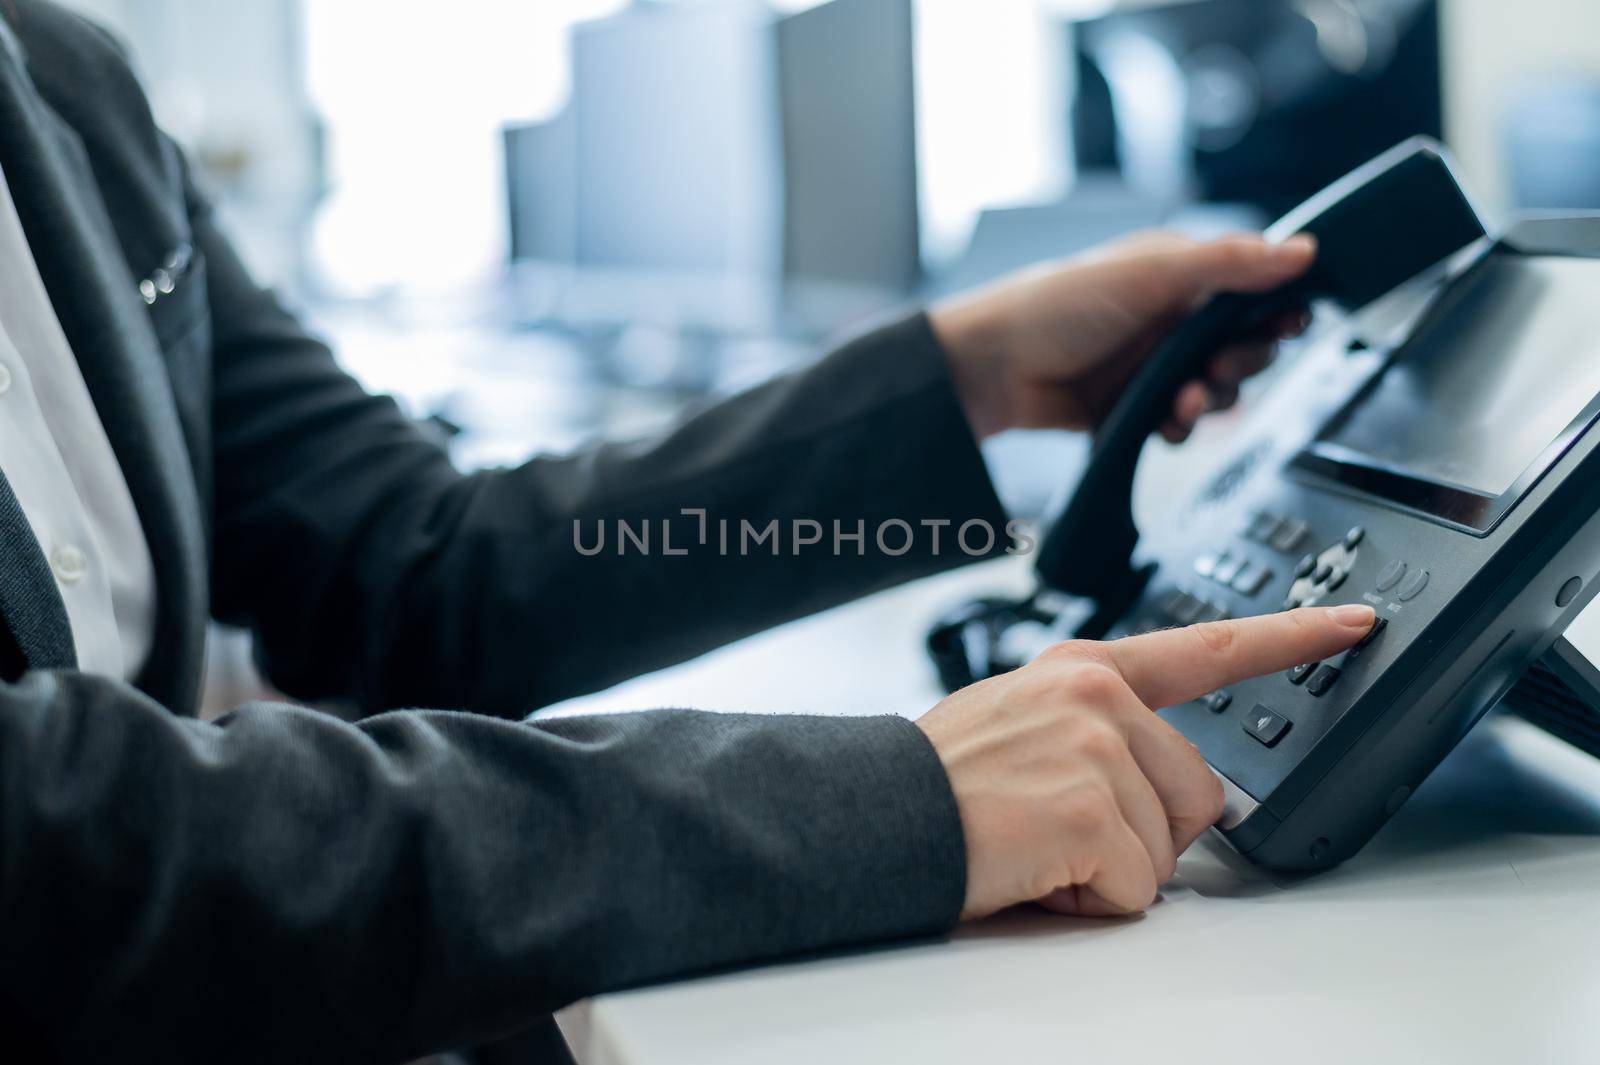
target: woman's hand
1072 792
1053 347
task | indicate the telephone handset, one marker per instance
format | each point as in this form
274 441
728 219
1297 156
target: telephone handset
1450 479
1377 227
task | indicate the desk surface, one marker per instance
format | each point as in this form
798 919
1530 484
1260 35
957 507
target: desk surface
1468 931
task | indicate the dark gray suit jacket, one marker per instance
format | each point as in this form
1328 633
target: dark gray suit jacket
281 885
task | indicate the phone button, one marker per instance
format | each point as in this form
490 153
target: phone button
1323 679
1265 725
1390 575
1291 535
1372 634
1251 579
1262 527
1227 568
1298 674
1413 586
1183 608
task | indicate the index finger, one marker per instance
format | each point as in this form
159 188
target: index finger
1176 665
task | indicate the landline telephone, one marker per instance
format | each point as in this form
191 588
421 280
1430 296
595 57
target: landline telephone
1450 478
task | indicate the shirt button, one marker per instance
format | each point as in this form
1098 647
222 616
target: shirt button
5 379
70 563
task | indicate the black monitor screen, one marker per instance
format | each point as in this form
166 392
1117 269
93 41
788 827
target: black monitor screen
1474 402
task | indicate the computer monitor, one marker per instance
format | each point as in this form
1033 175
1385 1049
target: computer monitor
541 173
673 144
728 169
847 116
1269 100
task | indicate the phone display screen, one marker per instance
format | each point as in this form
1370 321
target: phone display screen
1483 398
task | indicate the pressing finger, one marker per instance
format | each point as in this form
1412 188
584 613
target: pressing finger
1175 665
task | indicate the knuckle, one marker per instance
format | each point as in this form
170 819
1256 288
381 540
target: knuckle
1155 238
1087 811
1096 684
1098 741
1305 621
1240 250
1217 637
1034 685
1165 240
1072 650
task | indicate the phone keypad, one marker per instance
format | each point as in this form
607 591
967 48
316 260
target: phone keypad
1322 680
1320 575
1266 725
1251 579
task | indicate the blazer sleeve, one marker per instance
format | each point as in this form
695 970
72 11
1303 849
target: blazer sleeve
281 885
372 570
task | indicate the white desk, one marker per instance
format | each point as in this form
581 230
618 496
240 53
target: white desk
1468 931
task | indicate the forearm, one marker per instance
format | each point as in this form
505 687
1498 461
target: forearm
283 884
371 570
540 582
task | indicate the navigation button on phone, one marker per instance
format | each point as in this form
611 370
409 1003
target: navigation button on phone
1323 679
1266 725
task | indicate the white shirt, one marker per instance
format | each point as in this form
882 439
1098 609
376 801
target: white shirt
55 454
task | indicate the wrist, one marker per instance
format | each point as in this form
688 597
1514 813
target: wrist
971 331
975 897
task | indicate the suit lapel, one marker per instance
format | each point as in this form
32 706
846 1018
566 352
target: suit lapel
95 297
29 599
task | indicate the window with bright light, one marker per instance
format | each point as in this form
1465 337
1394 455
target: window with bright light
413 97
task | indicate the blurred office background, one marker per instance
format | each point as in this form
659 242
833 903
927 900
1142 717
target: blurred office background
622 203
536 221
